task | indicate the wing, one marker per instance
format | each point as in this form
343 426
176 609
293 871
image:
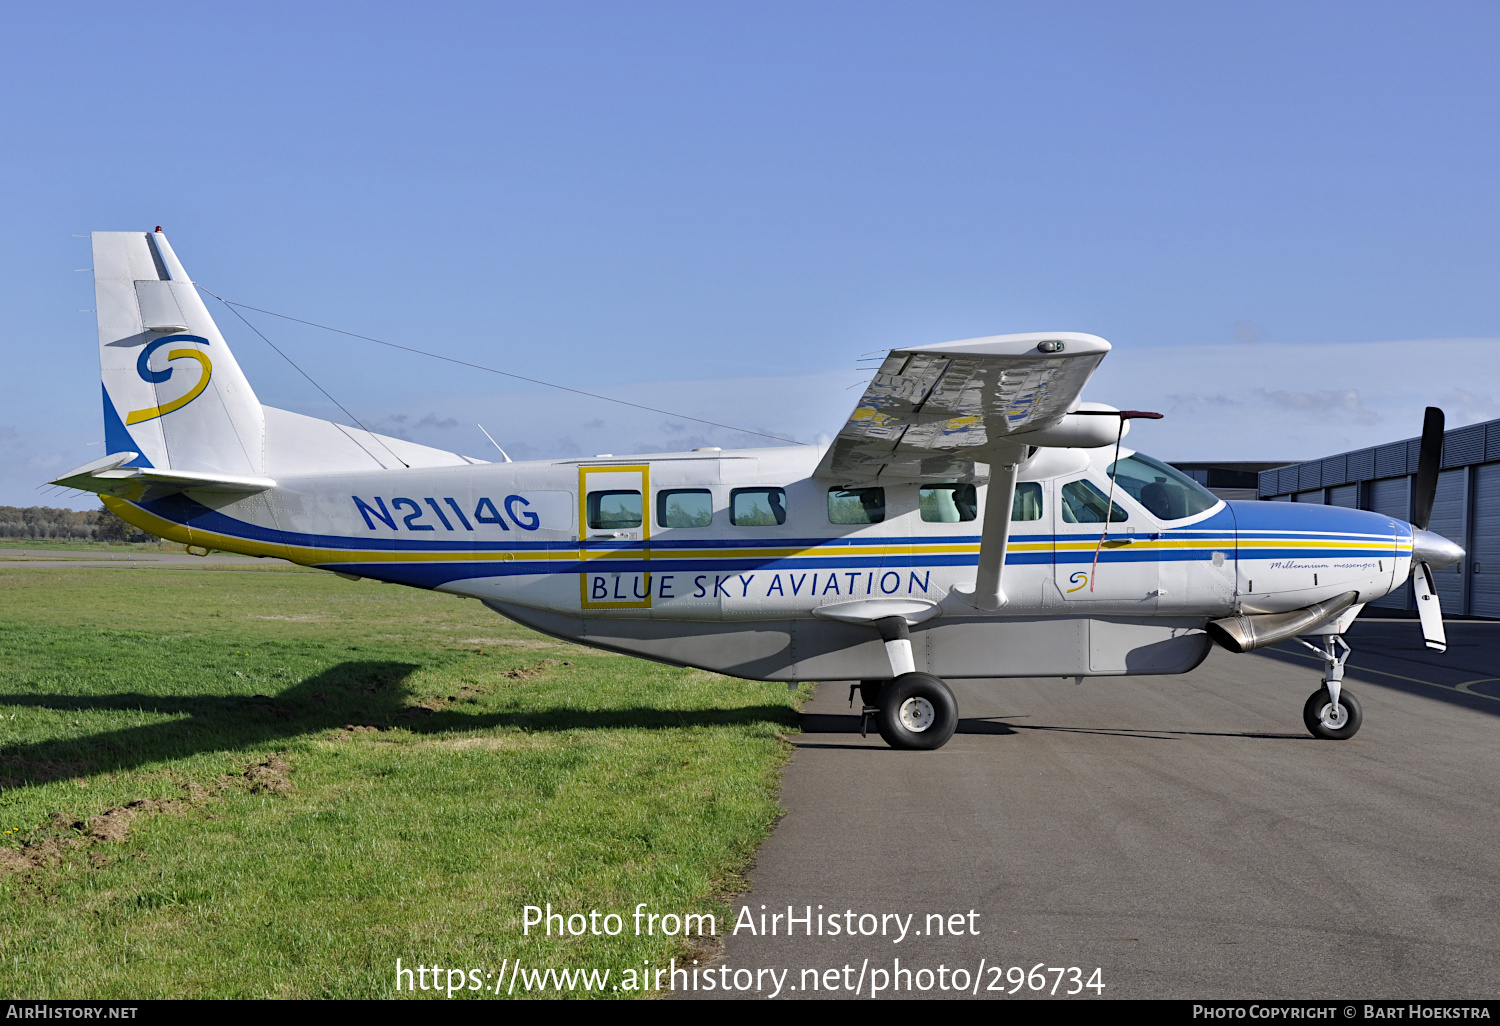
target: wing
929 410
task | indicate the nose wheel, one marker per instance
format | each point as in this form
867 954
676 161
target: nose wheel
1330 720
1331 713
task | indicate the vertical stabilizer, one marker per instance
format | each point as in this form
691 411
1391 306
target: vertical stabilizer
172 389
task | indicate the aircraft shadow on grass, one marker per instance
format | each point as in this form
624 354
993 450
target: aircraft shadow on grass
361 694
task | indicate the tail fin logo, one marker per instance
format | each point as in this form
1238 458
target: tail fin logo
156 377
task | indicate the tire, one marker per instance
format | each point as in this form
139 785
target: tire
869 691
918 712
1313 714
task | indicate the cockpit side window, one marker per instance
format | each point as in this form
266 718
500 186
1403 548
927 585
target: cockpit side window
1082 503
1165 491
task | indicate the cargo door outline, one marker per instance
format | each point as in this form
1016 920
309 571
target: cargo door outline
604 547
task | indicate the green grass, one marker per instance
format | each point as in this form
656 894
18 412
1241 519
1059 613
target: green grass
492 768
72 545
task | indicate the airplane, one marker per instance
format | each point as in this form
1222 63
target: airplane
974 518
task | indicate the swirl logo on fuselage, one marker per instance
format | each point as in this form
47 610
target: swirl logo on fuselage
156 377
1079 580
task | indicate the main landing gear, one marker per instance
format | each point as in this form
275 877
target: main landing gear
1331 713
912 710
915 711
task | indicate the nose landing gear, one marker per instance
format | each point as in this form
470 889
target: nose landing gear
1331 713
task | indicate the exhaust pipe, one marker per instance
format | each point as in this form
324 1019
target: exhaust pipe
1246 633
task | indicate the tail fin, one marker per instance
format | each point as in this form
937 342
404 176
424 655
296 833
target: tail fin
173 392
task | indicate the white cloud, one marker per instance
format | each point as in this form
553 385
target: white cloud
1469 406
1287 401
1322 404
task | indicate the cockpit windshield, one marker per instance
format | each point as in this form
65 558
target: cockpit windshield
1165 491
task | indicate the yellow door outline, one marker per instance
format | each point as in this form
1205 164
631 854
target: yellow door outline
633 554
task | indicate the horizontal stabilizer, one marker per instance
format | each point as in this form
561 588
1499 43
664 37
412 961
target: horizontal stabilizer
110 476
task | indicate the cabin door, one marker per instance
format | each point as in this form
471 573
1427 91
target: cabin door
614 537
1126 573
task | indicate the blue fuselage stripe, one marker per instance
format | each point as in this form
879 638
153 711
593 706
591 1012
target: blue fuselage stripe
516 556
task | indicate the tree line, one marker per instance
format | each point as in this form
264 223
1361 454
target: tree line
47 523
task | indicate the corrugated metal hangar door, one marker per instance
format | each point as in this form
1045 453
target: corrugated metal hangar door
1450 514
1344 495
1484 560
1392 497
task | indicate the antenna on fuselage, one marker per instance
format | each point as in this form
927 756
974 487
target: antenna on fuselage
495 443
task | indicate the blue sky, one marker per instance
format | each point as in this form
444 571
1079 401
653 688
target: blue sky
720 206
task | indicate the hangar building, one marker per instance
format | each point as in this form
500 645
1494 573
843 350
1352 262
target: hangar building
1467 508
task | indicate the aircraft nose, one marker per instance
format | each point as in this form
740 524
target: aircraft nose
1433 549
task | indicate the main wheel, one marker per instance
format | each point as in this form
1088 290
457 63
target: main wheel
1329 722
917 711
869 691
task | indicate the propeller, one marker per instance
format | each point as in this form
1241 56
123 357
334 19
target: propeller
1429 458
1424 491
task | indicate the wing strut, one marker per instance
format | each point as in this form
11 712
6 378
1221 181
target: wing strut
988 590
988 593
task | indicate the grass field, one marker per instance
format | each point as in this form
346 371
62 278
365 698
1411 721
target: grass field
276 783
51 545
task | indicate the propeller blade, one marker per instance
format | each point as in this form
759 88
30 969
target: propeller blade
1429 459
1429 608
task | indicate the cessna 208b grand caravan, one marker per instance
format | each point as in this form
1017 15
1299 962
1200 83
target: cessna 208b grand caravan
974 518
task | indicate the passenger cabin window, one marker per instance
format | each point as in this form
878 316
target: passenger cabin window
856 505
688 507
948 503
757 507
1082 503
1166 491
1027 504
612 511
958 503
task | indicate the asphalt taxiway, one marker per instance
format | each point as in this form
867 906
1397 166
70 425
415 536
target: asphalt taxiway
1184 835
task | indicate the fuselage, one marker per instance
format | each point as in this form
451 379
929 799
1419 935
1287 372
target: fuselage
711 539
878 558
